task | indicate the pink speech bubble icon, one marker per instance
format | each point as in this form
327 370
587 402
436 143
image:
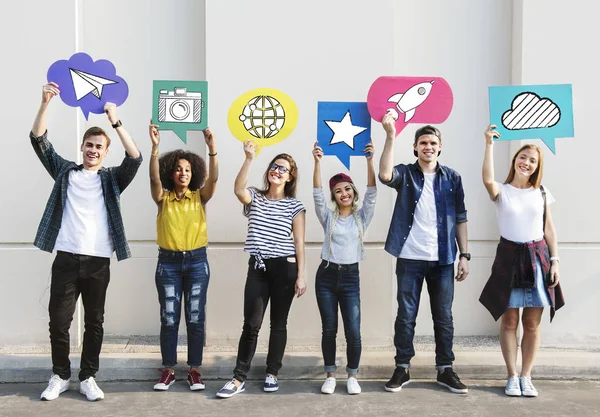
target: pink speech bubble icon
410 100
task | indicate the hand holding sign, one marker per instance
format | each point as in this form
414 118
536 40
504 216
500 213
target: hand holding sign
87 84
410 100
533 112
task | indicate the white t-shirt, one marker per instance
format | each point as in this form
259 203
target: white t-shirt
521 212
422 241
84 227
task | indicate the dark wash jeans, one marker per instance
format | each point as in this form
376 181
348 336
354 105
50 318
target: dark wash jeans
277 284
182 274
73 275
440 285
339 284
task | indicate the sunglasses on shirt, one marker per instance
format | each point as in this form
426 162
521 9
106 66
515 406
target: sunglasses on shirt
281 168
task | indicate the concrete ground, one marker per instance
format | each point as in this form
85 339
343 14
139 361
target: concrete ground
302 398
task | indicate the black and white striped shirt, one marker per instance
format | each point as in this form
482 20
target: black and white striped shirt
270 225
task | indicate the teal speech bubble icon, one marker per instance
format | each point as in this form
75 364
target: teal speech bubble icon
533 112
180 106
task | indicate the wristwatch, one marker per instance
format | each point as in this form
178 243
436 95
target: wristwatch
465 255
117 124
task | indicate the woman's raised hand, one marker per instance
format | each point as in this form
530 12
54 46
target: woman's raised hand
490 134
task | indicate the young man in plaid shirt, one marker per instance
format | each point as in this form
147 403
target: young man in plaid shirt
83 222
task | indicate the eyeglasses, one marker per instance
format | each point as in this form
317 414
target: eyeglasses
281 168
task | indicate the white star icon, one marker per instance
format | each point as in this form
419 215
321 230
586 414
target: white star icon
344 131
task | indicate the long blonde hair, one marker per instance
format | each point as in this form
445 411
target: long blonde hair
536 178
336 215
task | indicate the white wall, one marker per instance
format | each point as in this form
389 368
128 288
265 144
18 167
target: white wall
313 51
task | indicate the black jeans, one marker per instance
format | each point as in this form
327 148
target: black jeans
277 283
73 275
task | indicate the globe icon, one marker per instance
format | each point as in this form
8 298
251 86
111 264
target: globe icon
263 117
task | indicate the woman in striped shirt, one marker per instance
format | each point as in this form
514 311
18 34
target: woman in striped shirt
337 281
275 241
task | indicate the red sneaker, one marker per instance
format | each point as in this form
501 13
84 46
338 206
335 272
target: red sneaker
167 378
195 381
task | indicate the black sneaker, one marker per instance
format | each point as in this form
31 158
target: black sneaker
400 378
448 378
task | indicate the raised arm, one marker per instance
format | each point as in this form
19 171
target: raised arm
487 171
317 155
239 187
156 188
39 124
210 186
369 153
552 242
386 162
130 147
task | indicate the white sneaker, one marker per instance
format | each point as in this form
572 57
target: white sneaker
90 389
328 386
527 387
56 386
352 386
513 388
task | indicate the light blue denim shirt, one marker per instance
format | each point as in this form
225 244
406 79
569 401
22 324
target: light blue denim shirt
346 246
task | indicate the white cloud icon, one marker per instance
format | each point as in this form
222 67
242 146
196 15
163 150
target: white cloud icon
529 111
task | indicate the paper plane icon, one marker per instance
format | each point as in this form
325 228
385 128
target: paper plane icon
85 83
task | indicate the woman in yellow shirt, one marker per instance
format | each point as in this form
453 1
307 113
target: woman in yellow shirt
180 188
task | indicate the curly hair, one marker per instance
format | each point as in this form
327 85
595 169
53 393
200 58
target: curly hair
168 165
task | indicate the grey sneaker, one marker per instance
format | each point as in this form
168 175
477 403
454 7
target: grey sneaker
513 388
56 386
230 389
527 387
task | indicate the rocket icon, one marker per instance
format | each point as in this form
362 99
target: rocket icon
411 99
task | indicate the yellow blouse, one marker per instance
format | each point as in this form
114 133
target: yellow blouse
181 224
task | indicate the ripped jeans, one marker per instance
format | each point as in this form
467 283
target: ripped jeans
182 274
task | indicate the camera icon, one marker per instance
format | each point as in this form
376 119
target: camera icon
180 106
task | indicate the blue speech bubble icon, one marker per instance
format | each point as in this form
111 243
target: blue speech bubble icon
343 129
533 112
88 84
180 106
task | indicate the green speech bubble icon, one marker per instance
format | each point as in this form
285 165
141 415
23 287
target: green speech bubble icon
180 106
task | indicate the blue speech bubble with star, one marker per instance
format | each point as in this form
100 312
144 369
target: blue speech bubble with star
343 129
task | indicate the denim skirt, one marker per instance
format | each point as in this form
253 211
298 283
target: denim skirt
531 297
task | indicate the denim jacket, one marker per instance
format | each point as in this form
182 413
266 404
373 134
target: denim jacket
408 181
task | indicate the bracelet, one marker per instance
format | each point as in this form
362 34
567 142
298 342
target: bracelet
554 258
154 154
212 154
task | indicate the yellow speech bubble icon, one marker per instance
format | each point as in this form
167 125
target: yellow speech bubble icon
264 115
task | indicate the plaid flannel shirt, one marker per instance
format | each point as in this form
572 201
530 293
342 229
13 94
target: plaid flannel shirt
114 180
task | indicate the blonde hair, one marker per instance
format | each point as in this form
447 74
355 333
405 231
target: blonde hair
536 178
336 215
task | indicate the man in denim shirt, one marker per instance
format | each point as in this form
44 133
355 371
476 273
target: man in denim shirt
83 223
429 220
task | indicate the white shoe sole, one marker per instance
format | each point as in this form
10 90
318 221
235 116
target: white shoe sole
163 387
454 390
91 399
530 394
512 393
197 387
223 395
397 389
51 398
271 389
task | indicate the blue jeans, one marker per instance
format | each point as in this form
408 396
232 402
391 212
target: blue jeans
180 273
339 284
440 285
